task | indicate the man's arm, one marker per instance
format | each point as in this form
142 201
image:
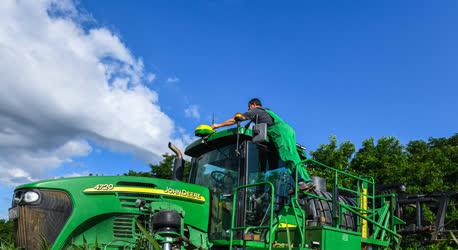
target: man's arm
228 122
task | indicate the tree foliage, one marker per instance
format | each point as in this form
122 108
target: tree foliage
331 154
384 160
6 232
423 166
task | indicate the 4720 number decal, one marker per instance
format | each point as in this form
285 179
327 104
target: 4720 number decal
103 187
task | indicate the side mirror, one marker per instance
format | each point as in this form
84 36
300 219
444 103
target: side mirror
259 133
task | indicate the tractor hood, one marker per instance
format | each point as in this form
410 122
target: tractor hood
93 197
125 184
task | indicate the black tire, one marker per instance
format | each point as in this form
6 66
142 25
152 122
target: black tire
319 212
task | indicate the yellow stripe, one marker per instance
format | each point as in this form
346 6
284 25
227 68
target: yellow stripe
168 192
285 225
364 226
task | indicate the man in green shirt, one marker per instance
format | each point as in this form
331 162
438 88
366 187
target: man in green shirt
280 133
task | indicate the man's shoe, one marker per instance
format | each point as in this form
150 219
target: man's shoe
306 186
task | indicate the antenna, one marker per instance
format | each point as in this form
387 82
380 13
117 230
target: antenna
213 118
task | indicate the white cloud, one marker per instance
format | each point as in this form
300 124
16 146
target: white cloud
192 111
150 77
62 84
173 79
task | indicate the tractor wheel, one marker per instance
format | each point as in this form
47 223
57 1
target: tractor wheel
319 212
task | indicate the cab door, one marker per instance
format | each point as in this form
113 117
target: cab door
219 169
262 165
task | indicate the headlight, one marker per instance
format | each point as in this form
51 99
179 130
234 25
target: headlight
31 196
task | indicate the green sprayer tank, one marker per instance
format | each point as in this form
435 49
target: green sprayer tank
239 195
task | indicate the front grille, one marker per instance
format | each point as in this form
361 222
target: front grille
123 226
38 225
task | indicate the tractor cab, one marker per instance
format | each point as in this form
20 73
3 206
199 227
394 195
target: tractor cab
255 202
229 159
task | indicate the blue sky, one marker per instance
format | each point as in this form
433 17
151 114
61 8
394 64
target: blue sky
351 69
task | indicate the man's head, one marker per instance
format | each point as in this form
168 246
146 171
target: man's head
254 103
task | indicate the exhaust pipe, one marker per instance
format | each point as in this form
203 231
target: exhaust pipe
178 165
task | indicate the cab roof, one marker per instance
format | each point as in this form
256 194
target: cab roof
223 136
226 137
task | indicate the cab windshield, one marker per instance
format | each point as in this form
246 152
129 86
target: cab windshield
217 169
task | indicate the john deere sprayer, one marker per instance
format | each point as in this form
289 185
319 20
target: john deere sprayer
239 196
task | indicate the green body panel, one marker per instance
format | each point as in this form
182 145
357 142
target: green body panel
330 238
93 213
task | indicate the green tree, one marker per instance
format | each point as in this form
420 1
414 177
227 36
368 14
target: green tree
331 154
447 159
384 160
6 232
424 168
432 165
164 168
135 173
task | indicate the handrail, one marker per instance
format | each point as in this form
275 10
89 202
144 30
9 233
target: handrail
369 179
234 207
295 205
366 214
349 190
372 221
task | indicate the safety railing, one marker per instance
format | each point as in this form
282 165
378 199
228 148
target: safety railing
363 188
246 229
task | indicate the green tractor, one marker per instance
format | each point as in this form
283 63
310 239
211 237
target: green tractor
239 195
